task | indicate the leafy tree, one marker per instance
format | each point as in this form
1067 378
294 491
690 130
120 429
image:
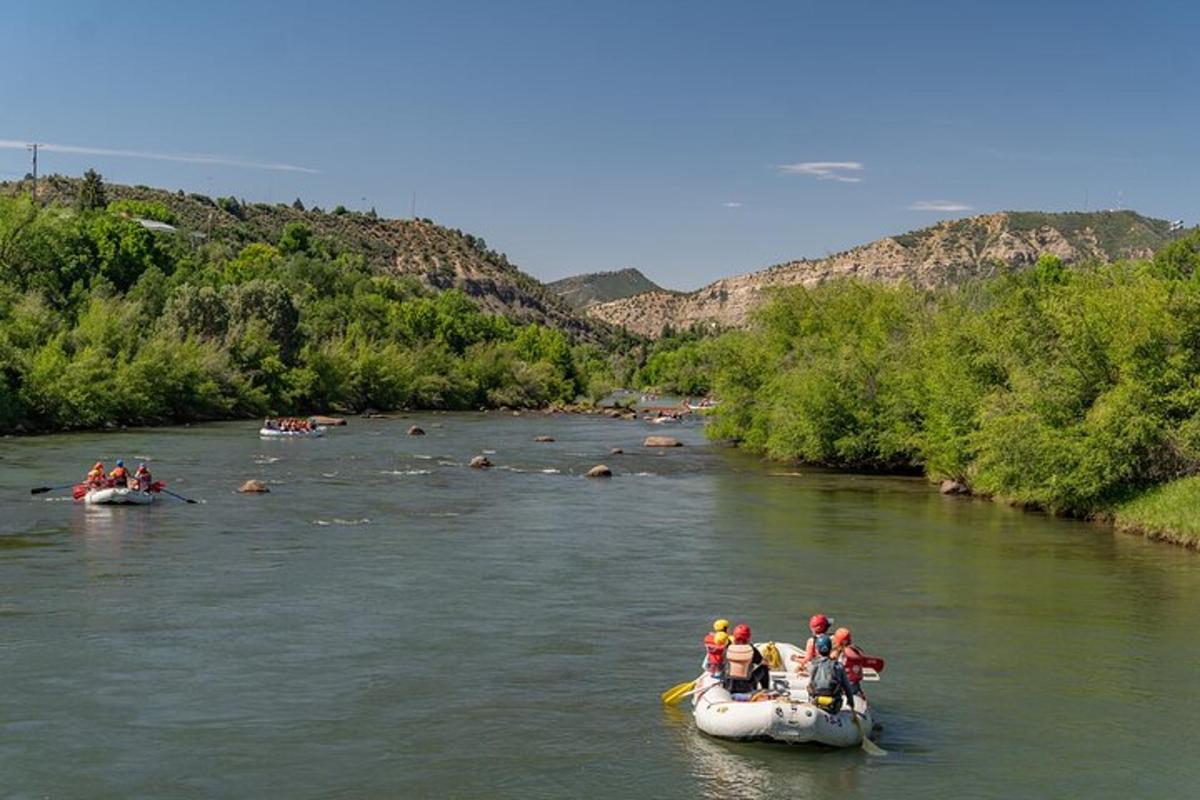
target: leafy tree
91 192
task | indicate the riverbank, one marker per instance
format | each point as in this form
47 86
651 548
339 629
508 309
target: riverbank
1167 513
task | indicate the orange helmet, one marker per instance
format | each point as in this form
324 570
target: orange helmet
841 636
98 465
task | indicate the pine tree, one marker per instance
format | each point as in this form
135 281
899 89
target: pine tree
91 192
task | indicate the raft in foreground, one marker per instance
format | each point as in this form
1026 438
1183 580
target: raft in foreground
789 718
119 497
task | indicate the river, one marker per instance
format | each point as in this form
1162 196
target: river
390 623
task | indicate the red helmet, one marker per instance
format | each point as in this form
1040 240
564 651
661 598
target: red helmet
819 623
741 633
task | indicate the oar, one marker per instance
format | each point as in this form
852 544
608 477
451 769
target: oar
676 693
179 496
869 747
44 489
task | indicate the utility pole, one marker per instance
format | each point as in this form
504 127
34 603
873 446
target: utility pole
34 148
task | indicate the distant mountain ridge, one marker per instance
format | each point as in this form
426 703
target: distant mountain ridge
947 253
437 256
581 291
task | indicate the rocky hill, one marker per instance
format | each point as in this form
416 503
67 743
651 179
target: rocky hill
437 256
947 253
581 291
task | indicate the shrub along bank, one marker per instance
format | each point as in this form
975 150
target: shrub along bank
1070 390
104 321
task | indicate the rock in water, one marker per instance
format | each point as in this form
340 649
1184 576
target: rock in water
480 462
416 430
599 471
954 487
543 438
328 421
616 451
254 487
662 441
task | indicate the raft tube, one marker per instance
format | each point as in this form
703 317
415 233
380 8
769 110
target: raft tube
788 717
271 433
119 497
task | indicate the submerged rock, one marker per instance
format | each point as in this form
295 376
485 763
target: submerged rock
543 438
254 487
416 430
480 462
662 441
616 451
599 471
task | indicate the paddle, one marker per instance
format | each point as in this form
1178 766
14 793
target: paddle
165 490
44 489
869 747
677 692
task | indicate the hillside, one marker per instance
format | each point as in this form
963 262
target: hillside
581 291
439 257
944 254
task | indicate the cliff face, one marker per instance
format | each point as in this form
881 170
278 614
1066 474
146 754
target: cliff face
944 254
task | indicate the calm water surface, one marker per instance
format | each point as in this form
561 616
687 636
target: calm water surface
389 623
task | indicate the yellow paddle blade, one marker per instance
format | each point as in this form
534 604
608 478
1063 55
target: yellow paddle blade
675 693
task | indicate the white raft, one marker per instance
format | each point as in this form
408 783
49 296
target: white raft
118 497
789 718
272 433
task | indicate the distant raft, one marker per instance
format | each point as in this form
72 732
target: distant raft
788 717
276 433
119 497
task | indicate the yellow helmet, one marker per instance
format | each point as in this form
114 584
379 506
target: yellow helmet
722 638
721 625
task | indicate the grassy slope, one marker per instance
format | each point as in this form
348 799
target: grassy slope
1170 513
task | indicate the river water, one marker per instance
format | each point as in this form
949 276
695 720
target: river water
390 623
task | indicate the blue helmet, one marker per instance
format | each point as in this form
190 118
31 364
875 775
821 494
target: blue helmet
120 463
824 644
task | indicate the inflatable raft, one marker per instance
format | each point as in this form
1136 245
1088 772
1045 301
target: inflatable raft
787 716
119 497
272 433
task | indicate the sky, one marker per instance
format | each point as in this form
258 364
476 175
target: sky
691 140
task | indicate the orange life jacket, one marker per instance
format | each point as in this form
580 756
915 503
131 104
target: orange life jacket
740 661
119 474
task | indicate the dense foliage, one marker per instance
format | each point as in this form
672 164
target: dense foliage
103 321
1064 389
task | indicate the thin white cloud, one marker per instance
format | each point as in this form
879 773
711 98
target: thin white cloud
824 170
184 158
939 205
732 204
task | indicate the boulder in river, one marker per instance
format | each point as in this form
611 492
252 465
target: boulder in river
480 462
599 471
662 441
543 438
954 487
329 421
616 451
416 430
254 487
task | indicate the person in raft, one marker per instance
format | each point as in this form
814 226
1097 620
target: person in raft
141 479
95 476
827 681
744 669
714 654
850 657
819 625
119 476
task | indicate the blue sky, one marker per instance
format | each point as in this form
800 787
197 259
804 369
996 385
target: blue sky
580 136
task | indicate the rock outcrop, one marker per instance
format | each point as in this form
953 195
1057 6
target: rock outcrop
948 253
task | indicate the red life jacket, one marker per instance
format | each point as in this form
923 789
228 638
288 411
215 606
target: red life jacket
716 652
853 661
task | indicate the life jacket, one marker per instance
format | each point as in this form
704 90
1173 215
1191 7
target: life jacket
143 481
716 653
95 476
119 474
823 678
739 661
853 661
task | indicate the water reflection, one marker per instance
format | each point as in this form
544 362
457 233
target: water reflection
760 770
